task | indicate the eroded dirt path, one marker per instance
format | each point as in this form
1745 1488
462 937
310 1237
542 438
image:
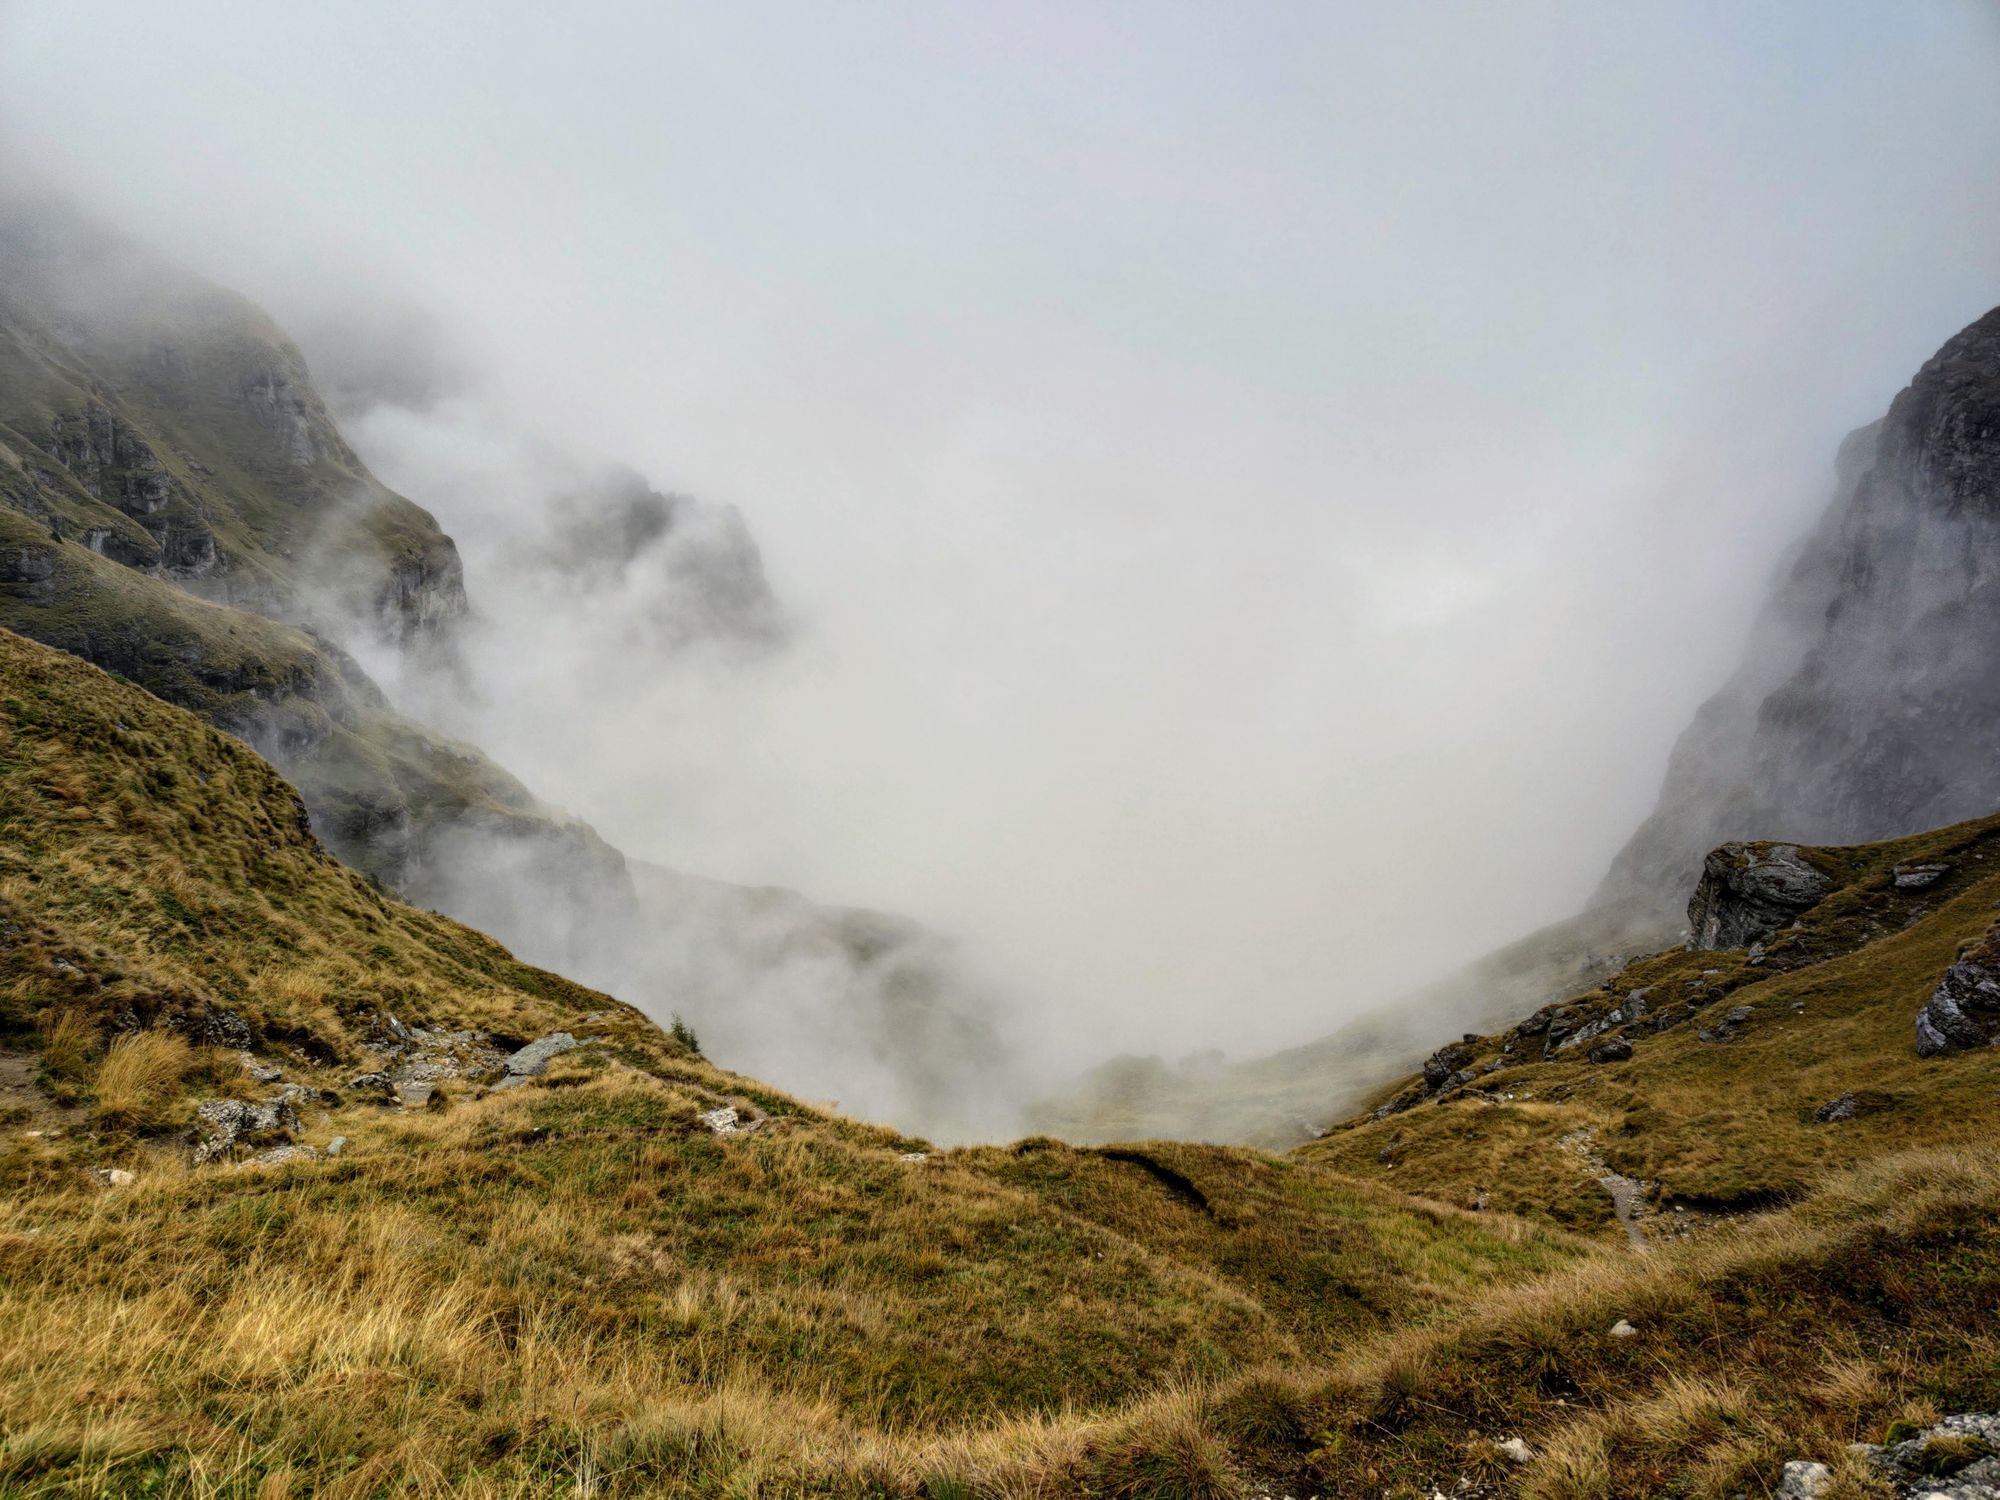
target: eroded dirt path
1628 1197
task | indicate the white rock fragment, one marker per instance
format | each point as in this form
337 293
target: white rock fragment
723 1121
1517 1450
260 1072
115 1177
1801 1480
1623 1330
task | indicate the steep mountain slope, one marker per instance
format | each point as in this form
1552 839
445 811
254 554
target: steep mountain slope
1868 705
167 424
529 1276
178 505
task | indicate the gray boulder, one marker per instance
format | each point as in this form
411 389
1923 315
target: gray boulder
1748 891
1964 1010
533 1060
1918 877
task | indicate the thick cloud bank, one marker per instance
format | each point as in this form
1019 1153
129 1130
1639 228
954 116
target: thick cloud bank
1250 496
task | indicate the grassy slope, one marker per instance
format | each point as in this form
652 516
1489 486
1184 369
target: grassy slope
575 1288
497 1296
1727 1124
361 766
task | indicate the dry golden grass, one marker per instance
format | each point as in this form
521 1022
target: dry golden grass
140 1078
67 1039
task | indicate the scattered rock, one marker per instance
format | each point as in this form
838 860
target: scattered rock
533 1060
1615 1050
260 1071
1802 1480
1748 891
1517 1450
914 1156
115 1177
1730 1026
1628 1197
723 1121
1916 877
1582 1034
379 1084
230 1122
1955 1459
215 1027
1623 1330
1964 1011
1442 1064
1840 1107
337 1145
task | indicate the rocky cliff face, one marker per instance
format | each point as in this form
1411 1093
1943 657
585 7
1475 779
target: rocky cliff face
169 426
1869 703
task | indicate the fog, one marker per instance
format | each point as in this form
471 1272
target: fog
1252 494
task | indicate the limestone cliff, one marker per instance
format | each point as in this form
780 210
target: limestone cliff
1868 705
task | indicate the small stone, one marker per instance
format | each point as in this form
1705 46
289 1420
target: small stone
1517 1450
723 1121
1616 1050
260 1071
115 1177
1801 1480
915 1156
337 1145
1841 1107
1623 1330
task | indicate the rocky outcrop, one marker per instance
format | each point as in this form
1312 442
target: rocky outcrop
27 569
1869 702
533 1060
229 1123
1963 1012
422 594
286 406
1748 891
1957 1458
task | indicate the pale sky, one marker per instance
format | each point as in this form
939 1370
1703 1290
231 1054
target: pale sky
1264 484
